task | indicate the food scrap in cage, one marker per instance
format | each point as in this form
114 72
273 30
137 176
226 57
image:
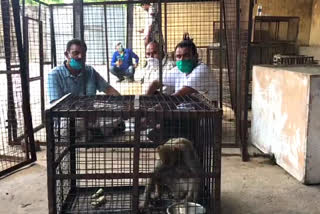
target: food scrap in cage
98 198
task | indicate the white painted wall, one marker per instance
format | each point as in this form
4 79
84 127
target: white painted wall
284 123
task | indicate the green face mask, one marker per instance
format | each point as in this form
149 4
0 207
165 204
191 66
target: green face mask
185 66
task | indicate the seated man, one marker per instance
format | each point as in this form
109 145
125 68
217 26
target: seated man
74 77
151 71
121 63
189 76
77 78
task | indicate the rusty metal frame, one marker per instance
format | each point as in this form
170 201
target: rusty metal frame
210 151
12 121
29 138
106 40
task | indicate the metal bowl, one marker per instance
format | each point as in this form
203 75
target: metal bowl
186 208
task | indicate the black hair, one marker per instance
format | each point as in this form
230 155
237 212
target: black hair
154 42
145 2
159 47
187 42
76 42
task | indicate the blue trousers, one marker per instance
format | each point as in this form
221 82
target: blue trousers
120 73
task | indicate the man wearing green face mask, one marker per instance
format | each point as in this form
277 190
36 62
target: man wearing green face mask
74 76
79 79
190 75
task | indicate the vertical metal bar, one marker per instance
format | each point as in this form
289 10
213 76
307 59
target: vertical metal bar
72 134
210 144
136 157
245 156
160 47
51 178
106 37
81 21
129 37
24 79
208 57
12 122
227 55
74 18
26 53
78 27
39 12
220 53
23 15
241 96
165 27
217 161
238 76
41 60
53 40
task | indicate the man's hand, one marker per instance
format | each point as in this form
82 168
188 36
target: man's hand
141 31
155 85
119 63
135 65
112 91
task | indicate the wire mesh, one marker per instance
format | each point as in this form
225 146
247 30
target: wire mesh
229 15
202 22
107 171
38 51
273 35
63 29
12 152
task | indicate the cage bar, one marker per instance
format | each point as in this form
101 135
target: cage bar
84 159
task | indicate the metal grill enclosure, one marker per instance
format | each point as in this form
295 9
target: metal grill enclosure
83 159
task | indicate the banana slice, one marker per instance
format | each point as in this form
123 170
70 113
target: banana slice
99 201
98 193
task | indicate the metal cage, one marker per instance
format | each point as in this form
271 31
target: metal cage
107 146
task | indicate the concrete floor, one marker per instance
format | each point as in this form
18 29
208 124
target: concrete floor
255 187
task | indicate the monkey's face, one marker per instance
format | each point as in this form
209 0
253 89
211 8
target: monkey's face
170 154
165 154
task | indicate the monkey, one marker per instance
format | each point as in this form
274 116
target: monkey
177 160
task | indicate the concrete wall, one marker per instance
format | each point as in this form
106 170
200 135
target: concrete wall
301 8
314 44
315 24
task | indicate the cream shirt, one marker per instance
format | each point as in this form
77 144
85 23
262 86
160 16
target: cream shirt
201 79
151 73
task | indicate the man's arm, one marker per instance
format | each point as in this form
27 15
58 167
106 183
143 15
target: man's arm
185 91
111 91
102 85
135 56
155 85
54 88
114 59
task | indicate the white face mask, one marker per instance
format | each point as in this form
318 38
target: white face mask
153 62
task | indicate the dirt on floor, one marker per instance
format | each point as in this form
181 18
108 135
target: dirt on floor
255 187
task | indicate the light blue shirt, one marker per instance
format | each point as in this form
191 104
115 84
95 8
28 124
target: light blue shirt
62 82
